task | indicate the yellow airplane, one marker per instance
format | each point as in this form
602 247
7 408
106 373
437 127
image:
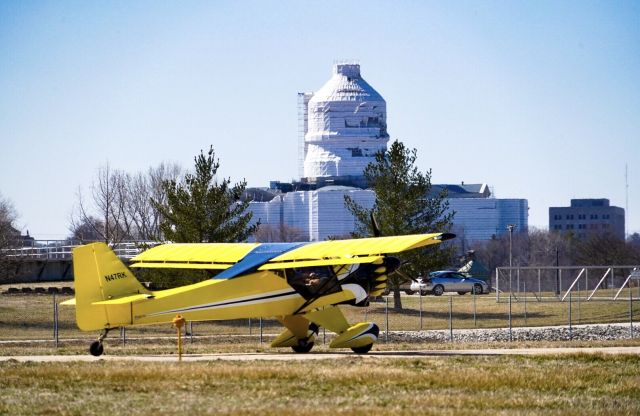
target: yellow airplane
299 284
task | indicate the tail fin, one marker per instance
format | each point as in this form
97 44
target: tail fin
100 280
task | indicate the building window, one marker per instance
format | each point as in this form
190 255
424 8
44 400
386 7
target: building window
570 226
594 216
570 216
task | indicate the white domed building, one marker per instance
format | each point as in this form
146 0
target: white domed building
341 127
345 125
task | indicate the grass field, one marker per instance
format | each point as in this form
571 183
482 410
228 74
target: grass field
563 385
448 385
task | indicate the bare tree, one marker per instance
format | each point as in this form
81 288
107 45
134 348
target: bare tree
119 207
8 216
8 239
606 249
87 230
109 199
532 248
142 189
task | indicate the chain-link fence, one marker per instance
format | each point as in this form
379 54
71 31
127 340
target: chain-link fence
39 317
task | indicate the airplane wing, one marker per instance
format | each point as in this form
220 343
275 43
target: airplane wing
193 255
239 258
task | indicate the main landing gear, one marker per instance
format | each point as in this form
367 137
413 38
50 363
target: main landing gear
96 348
303 346
306 344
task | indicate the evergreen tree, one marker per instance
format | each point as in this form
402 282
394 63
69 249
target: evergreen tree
403 206
199 209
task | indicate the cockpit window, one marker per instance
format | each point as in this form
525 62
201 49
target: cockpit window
313 282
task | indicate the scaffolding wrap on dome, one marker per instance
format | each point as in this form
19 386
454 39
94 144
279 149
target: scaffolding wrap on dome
345 125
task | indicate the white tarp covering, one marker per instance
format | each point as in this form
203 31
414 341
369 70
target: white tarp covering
346 125
318 215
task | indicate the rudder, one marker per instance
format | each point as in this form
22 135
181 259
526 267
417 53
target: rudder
99 276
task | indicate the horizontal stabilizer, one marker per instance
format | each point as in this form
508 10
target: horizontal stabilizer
124 299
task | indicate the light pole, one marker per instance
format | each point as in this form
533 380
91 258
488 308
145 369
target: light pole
510 227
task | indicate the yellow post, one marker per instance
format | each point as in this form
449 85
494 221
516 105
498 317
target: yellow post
178 322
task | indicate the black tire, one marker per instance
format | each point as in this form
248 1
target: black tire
461 293
409 292
477 289
303 349
96 348
362 350
424 293
438 290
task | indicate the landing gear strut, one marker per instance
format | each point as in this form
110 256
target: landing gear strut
96 348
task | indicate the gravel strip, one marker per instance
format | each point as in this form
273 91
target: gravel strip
559 333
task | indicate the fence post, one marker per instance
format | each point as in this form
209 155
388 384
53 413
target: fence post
475 325
249 326
55 320
261 339
510 334
420 295
450 319
525 302
386 321
191 332
570 328
539 285
630 310
123 336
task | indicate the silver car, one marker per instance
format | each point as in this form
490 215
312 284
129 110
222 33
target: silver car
449 281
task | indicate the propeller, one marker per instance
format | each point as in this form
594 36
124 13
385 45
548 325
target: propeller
374 225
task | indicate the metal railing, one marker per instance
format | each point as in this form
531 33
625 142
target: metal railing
559 282
62 249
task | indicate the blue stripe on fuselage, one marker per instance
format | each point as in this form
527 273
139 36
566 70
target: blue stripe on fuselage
256 258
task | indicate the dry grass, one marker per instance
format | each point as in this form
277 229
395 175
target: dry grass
567 385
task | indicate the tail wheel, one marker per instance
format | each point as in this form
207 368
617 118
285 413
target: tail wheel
438 290
96 349
362 350
303 348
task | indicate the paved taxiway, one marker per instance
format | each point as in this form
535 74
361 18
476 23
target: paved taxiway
323 356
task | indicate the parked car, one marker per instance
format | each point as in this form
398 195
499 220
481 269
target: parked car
449 281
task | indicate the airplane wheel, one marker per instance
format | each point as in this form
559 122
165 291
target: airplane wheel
362 350
302 349
96 349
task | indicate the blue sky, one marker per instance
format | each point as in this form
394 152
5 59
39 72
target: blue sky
541 100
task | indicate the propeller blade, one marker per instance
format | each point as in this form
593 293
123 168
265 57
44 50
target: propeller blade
374 226
406 276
